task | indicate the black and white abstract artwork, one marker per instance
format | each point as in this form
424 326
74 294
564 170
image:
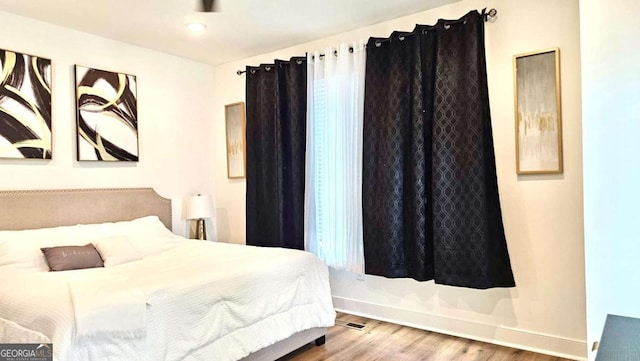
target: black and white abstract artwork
107 115
25 106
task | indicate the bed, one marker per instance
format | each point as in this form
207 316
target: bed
159 296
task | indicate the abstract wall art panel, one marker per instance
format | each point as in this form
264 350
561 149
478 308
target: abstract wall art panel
107 115
538 113
25 106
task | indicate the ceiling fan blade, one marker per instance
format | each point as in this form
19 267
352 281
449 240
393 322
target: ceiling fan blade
208 6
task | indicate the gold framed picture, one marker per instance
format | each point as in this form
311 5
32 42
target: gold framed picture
538 112
236 148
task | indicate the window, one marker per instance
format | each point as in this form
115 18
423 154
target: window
333 199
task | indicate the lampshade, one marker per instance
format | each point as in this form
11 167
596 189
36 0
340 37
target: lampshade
199 206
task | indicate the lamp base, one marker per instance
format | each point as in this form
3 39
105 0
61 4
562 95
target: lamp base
201 233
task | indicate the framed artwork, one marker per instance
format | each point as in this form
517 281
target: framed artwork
538 113
25 106
236 148
107 115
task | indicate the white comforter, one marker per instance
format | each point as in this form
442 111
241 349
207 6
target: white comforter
195 301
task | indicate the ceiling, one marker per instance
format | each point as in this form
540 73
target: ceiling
241 28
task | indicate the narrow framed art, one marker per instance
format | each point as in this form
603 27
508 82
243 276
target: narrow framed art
234 115
107 115
25 106
538 112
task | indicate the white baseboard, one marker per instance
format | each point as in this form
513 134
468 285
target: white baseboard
499 335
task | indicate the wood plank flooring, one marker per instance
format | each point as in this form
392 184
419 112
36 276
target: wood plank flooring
381 341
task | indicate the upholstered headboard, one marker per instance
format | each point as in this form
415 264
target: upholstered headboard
66 207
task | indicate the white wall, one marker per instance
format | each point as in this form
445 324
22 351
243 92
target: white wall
542 214
611 106
174 114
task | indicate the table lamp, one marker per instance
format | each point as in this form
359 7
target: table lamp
199 207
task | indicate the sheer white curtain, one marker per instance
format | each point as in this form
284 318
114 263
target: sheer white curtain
333 188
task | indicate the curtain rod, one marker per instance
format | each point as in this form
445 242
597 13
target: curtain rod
489 16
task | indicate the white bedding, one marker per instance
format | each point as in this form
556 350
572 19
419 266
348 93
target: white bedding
108 308
194 301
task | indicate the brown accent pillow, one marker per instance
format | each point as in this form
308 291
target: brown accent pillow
72 257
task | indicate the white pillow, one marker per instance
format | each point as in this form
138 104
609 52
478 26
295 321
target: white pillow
21 249
150 226
147 234
116 250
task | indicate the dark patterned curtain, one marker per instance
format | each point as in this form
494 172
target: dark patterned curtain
430 196
276 101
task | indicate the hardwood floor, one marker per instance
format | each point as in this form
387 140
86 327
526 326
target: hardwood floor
381 341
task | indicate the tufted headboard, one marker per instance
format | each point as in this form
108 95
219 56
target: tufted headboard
33 209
